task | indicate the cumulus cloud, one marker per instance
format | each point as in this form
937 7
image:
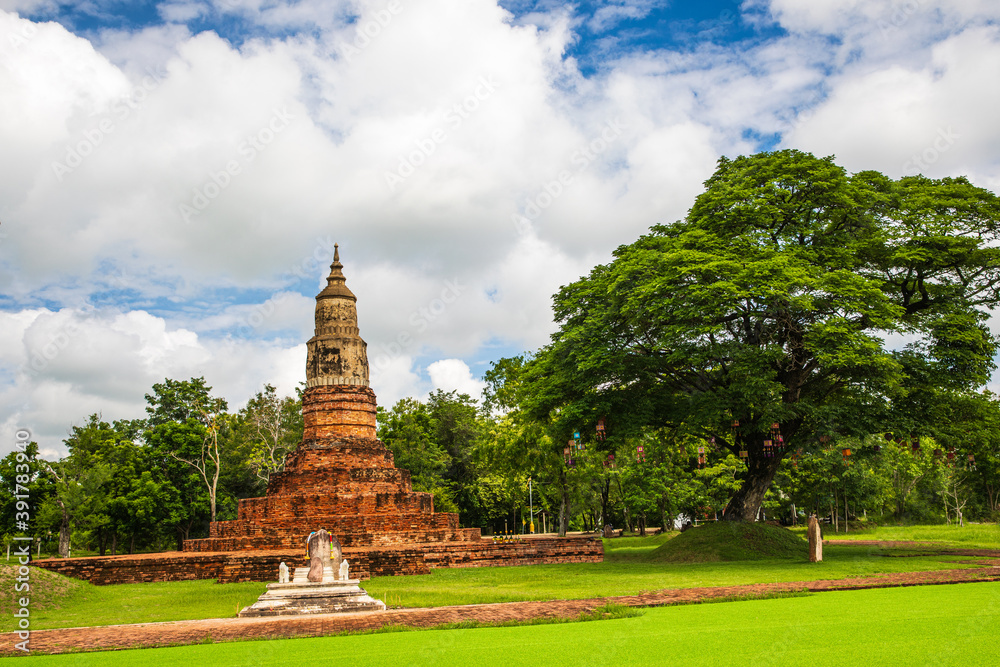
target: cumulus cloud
455 375
170 198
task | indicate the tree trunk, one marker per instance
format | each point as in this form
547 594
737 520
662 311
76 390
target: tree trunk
744 505
64 532
114 543
563 504
182 534
605 496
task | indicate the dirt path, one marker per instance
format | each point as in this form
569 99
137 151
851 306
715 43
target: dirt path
144 635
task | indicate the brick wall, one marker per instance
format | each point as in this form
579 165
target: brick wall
364 562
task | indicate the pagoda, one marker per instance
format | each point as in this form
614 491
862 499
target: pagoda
341 477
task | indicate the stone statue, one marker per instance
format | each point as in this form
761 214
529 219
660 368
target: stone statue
815 540
344 571
282 574
319 554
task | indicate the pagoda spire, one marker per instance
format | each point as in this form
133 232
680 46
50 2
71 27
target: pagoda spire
336 354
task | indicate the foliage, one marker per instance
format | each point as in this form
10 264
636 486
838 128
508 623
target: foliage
769 304
437 442
272 427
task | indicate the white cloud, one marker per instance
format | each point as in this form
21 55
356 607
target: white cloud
455 375
64 365
521 174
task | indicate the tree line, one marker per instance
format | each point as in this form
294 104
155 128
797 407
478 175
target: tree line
147 485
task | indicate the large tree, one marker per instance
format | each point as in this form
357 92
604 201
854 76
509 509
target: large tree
771 303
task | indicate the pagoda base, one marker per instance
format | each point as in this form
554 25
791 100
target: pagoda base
230 567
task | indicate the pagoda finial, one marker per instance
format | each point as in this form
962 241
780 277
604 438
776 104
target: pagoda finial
336 252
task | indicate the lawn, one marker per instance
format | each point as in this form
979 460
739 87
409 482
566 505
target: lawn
59 602
943 625
970 536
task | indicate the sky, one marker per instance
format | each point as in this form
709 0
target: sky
173 175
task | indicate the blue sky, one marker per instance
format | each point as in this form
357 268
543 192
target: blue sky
174 174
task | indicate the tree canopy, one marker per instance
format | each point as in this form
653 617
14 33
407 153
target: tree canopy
769 310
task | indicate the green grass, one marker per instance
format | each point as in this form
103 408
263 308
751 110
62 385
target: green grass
58 602
943 625
730 541
970 536
632 574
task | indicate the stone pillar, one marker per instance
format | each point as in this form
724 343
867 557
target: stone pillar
815 540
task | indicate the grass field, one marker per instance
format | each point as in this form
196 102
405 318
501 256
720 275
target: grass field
58 602
942 625
984 535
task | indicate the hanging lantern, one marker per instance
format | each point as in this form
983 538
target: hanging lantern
768 449
744 454
888 437
877 448
915 444
736 423
846 452
600 429
640 453
972 462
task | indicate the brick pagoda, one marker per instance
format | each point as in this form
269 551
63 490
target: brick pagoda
341 478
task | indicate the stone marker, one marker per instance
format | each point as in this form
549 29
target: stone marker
815 540
322 588
315 570
318 548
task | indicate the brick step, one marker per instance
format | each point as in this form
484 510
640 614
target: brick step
281 540
305 506
337 524
337 477
316 457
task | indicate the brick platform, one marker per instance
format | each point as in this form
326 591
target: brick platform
230 567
